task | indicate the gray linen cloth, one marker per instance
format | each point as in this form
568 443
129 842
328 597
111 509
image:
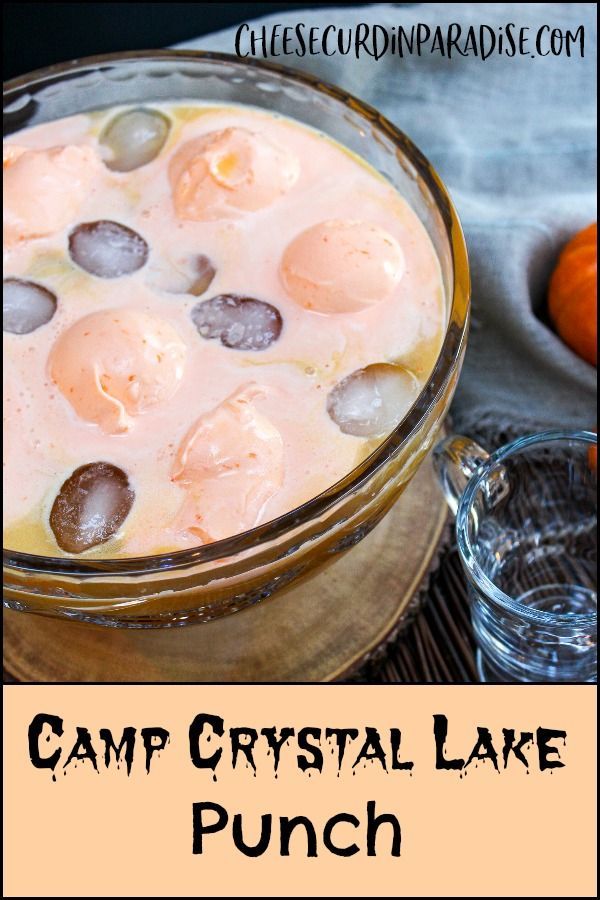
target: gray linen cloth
515 141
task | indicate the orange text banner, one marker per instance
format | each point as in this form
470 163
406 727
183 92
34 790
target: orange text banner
259 790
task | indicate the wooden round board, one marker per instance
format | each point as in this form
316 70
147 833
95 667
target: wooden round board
318 631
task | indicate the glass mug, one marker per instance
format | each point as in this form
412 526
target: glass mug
526 520
214 580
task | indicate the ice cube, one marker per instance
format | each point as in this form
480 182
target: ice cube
191 276
107 249
204 272
134 138
91 506
371 401
26 306
241 323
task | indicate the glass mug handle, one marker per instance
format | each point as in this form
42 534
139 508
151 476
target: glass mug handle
455 460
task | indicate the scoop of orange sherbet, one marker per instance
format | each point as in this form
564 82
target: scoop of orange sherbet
230 464
230 170
341 266
117 364
43 189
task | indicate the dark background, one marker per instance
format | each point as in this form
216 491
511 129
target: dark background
39 34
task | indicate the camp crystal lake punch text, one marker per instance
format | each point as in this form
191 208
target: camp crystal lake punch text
277 752
213 746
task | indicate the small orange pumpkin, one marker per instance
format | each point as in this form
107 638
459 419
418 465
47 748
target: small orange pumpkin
572 295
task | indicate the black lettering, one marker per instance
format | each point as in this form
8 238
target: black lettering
287 826
238 746
423 34
440 731
286 40
301 49
511 747
195 732
276 743
371 749
454 33
572 37
556 41
373 824
395 738
238 40
263 842
483 31
341 736
83 748
511 39
325 40
484 748
380 31
538 40
55 723
199 829
437 45
340 41
148 736
274 37
328 834
360 37
313 41
313 749
542 736
127 741
403 38
470 42
262 40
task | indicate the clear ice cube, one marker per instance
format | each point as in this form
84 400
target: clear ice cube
372 401
190 276
26 306
134 138
241 323
204 273
107 249
91 506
